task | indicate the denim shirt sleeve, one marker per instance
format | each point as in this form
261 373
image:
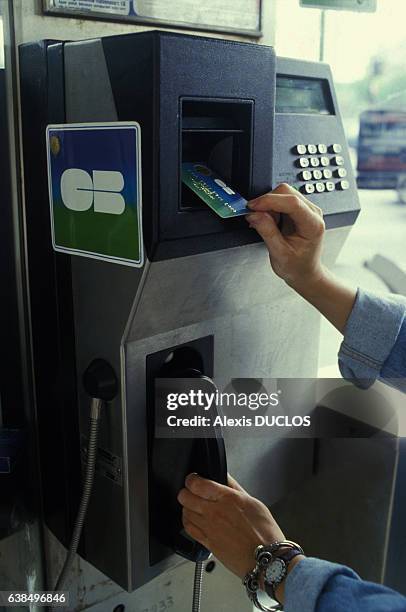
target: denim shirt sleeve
374 344
319 586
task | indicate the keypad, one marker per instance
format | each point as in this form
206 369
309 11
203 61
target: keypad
322 168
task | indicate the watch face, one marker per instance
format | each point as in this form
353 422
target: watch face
275 572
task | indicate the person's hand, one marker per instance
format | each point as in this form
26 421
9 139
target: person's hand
227 521
294 255
295 251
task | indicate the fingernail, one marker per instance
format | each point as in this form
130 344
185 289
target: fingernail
191 476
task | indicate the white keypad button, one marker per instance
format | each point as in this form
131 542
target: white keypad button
308 188
336 148
300 149
322 148
343 185
330 186
303 162
320 187
341 172
306 175
312 149
327 173
317 175
338 161
314 162
324 161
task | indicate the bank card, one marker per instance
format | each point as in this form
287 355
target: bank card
213 190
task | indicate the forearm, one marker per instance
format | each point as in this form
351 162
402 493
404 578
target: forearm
332 298
314 585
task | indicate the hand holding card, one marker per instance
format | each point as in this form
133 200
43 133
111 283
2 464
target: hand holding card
213 191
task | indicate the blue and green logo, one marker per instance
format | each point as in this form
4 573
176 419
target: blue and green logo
94 175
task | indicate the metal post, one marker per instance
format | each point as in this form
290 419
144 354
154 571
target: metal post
322 35
27 544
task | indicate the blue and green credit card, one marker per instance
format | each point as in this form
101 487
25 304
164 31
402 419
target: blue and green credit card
213 190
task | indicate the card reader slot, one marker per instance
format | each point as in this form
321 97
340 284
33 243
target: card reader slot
217 150
217 134
209 123
214 130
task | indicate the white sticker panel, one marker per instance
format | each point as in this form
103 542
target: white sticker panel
234 15
116 7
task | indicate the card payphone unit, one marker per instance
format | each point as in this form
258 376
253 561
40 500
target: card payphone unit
205 299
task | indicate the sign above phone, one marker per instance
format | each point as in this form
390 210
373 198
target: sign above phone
361 6
237 16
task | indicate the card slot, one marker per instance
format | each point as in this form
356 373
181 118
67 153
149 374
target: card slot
213 130
215 123
216 133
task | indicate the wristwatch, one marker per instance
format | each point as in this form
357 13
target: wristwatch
277 569
271 567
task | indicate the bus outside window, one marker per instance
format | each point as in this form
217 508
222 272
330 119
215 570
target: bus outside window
382 149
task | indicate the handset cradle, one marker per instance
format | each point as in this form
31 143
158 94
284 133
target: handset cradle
172 459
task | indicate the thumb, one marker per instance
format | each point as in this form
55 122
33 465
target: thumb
234 484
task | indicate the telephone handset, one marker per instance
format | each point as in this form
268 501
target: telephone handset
172 459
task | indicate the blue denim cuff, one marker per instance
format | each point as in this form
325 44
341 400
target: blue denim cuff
370 334
306 582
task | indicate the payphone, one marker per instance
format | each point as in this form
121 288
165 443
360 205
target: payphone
205 297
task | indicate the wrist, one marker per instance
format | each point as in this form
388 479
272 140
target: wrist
280 589
273 563
312 283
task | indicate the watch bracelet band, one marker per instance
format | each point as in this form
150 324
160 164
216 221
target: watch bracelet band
264 555
252 587
287 558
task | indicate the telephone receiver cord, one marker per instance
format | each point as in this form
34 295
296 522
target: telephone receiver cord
197 586
95 410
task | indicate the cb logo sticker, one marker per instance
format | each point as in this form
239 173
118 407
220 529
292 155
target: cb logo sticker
94 177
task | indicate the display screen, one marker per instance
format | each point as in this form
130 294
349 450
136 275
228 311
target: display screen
298 95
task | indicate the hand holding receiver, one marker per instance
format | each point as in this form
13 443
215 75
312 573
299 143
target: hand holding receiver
227 521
